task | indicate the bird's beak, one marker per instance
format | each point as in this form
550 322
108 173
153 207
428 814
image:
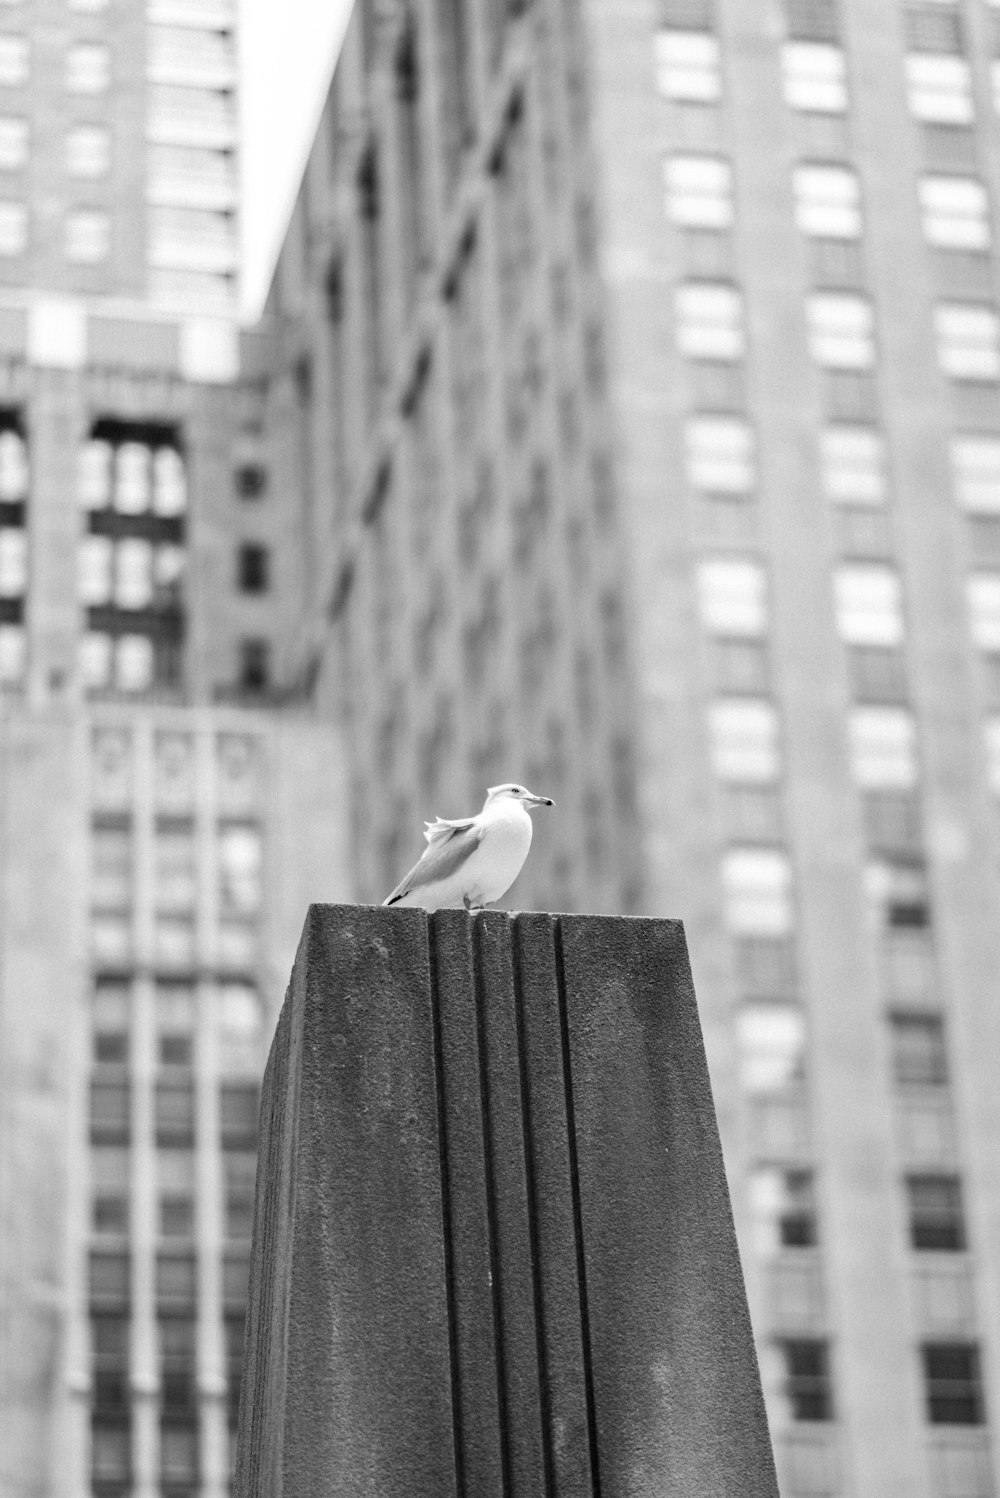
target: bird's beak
542 801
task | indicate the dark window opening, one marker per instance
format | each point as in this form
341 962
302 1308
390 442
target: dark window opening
797 1226
807 1379
953 1383
255 665
253 568
250 480
919 1058
936 1217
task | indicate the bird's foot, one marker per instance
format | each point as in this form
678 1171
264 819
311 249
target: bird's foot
470 907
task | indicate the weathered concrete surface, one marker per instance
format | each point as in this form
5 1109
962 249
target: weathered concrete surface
493 1252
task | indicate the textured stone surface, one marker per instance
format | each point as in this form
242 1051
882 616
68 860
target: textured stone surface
493 1251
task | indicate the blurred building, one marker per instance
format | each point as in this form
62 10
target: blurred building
168 805
638 367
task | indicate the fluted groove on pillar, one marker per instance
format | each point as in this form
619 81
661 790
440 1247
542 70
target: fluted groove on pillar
493 1254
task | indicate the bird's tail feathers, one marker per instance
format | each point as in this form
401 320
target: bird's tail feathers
440 830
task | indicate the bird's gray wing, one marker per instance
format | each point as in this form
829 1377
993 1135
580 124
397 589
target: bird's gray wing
443 858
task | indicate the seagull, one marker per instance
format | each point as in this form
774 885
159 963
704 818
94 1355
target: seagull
474 860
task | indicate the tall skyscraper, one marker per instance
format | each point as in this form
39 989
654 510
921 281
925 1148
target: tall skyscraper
167 804
643 366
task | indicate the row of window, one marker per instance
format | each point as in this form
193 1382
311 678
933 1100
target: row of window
175 235
721 458
954 210
840 327
688 67
237 854
237 1021
87 68
176 1208
785 1210
952 1379
86 233
176 173
231 766
176 1278
175 1115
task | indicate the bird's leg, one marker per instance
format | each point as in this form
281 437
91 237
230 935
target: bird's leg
465 902
470 907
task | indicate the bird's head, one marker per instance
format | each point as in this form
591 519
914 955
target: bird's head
511 792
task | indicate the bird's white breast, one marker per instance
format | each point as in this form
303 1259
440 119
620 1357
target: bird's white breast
501 854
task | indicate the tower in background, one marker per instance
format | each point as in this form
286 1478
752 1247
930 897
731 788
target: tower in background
168 805
642 366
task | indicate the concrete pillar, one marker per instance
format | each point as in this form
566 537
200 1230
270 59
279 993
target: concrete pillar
493 1249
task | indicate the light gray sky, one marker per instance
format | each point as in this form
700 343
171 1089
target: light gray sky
287 51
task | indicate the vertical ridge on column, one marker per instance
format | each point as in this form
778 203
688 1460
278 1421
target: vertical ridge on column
492 1206
532 1192
581 1264
446 1214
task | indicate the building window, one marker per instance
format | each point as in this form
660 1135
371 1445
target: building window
699 191
240 869
935 1210
179 1454
176 1217
109 1214
975 465
110 1112
732 595
852 460
688 66
771 1040
939 89
110 1005
239 1170
841 330
254 665
827 201
743 735
88 68
250 480
898 892
721 454
783 1207
239 1107
88 151
13 59
815 77
953 1383
955 212
883 747
13 143
13 228
13 562
709 320
758 891
983 594
88 236
869 605
110 1454
808 1388
918 1050
253 568
968 341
